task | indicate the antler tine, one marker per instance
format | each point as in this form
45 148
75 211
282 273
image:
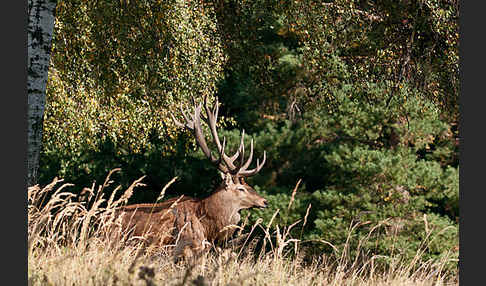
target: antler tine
230 161
177 123
248 173
198 134
204 146
242 148
189 124
221 152
212 119
237 154
240 152
224 163
233 158
248 162
185 115
216 108
194 124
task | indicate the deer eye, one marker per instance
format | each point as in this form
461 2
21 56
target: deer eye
242 189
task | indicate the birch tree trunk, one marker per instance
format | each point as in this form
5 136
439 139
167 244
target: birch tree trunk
39 40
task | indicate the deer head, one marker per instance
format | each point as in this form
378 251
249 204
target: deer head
234 169
242 194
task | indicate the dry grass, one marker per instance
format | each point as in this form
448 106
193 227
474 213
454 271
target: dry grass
68 244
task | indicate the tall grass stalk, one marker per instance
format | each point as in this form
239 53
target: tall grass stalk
69 244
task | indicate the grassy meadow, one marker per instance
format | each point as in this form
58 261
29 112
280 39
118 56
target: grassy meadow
68 244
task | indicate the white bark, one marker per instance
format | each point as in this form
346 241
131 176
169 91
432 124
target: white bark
39 39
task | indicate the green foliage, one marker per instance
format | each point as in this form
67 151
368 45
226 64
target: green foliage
414 42
361 163
118 70
357 99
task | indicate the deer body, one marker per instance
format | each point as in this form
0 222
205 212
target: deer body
191 223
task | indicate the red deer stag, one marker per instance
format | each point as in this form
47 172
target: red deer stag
190 223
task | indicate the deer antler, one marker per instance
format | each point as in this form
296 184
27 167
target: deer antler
224 162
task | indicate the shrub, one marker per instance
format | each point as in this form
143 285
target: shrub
362 165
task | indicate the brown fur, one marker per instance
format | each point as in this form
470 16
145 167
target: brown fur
189 223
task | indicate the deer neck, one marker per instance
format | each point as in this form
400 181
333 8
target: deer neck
220 208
